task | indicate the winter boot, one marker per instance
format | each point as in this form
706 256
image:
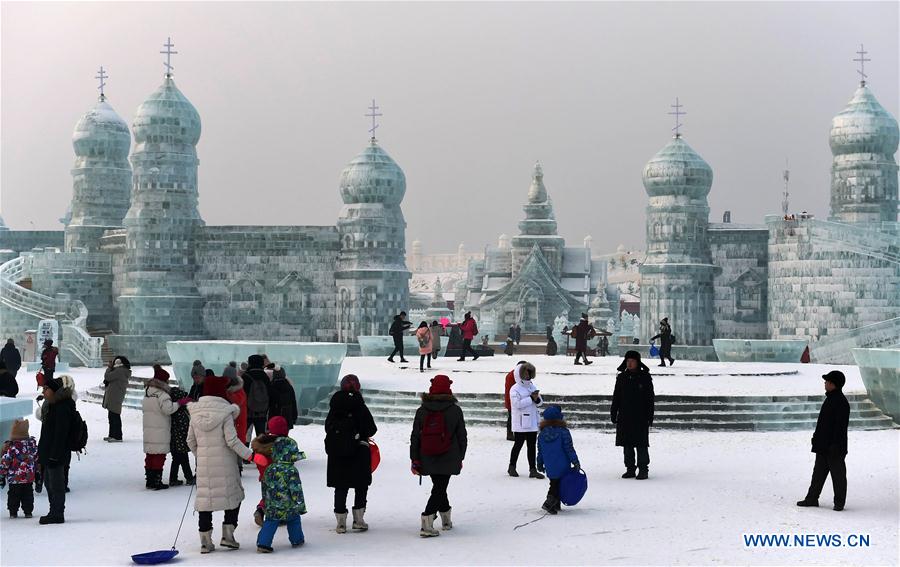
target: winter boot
48 519
446 523
512 470
807 503
206 543
263 549
156 482
428 526
549 505
189 480
359 524
28 514
148 475
173 478
341 522
534 474
228 537
13 513
837 508
629 473
642 474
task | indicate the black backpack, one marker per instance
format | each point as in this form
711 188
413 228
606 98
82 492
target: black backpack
258 397
341 438
78 434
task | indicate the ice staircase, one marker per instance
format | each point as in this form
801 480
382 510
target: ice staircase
71 313
134 394
700 413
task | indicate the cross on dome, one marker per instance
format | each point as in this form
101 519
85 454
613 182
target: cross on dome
373 115
102 76
862 64
677 114
169 53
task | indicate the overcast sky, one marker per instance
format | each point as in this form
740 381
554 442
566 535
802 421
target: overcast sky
472 95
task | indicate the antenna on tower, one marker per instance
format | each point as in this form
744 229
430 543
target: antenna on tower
786 175
862 64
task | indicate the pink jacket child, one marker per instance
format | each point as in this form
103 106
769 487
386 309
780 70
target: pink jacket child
18 467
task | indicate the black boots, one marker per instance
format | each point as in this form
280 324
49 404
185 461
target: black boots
642 474
534 474
512 470
173 478
806 503
628 473
552 505
154 480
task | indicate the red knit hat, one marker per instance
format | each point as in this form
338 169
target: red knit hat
215 386
278 425
160 374
440 384
350 383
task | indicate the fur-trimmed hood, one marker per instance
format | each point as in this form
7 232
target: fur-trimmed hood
158 384
210 411
553 423
263 444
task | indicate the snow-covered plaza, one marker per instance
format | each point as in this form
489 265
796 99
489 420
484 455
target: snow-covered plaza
706 492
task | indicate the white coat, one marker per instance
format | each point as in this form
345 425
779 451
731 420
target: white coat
158 408
525 413
214 441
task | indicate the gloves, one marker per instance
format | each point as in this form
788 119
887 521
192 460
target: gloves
260 459
416 468
185 401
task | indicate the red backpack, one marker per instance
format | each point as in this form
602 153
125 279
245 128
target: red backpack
434 439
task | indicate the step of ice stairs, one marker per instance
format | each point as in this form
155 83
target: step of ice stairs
529 344
703 413
134 395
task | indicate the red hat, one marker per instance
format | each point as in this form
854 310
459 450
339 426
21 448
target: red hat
350 383
159 373
440 384
215 386
278 425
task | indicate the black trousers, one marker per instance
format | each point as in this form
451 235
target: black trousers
20 495
398 347
55 483
509 433
467 349
832 463
231 517
438 501
643 457
340 498
115 425
422 361
528 438
581 354
180 460
554 488
257 424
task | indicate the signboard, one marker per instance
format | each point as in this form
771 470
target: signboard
47 329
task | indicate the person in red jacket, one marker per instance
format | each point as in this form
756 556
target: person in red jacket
237 395
510 382
469 331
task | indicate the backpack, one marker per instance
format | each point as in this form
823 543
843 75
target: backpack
341 439
258 397
78 434
434 438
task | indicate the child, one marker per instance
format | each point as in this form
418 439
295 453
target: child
555 453
18 464
181 422
283 496
262 445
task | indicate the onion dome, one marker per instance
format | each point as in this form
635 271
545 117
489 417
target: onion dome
864 126
167 116
373 177
101 133
677 170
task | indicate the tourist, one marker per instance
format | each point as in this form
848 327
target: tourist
348 427
282 400
552 348
9 388
49 356
158 408
181 422
556 454
115 381
214 442
283 496
257 386
238 397
829 443
262 447
510 348
436 331
66 391
604 345
437 448
11 358
18 467
524 400
665 342
198 373
632 413
398 327
582 332
511 334
423 336
57 418
517 334
510 382
469 330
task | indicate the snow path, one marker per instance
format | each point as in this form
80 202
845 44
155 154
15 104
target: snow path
706 490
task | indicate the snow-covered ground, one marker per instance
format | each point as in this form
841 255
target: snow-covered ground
705 491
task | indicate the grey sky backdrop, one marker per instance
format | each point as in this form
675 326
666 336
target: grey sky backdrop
472 95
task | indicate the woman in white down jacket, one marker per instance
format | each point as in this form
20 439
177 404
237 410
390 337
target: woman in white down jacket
524 401
214 441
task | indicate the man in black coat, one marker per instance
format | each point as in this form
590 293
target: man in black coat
11 357
582 332
665 342
829 443
53 448
259 394
632 412
398 326
9 388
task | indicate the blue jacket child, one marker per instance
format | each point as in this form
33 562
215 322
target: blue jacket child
556 454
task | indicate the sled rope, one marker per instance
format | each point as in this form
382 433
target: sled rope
531 522
183 514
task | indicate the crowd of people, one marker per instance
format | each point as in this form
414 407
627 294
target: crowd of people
213 421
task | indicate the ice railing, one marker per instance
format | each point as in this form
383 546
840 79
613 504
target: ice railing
880 244
71 314
838 349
